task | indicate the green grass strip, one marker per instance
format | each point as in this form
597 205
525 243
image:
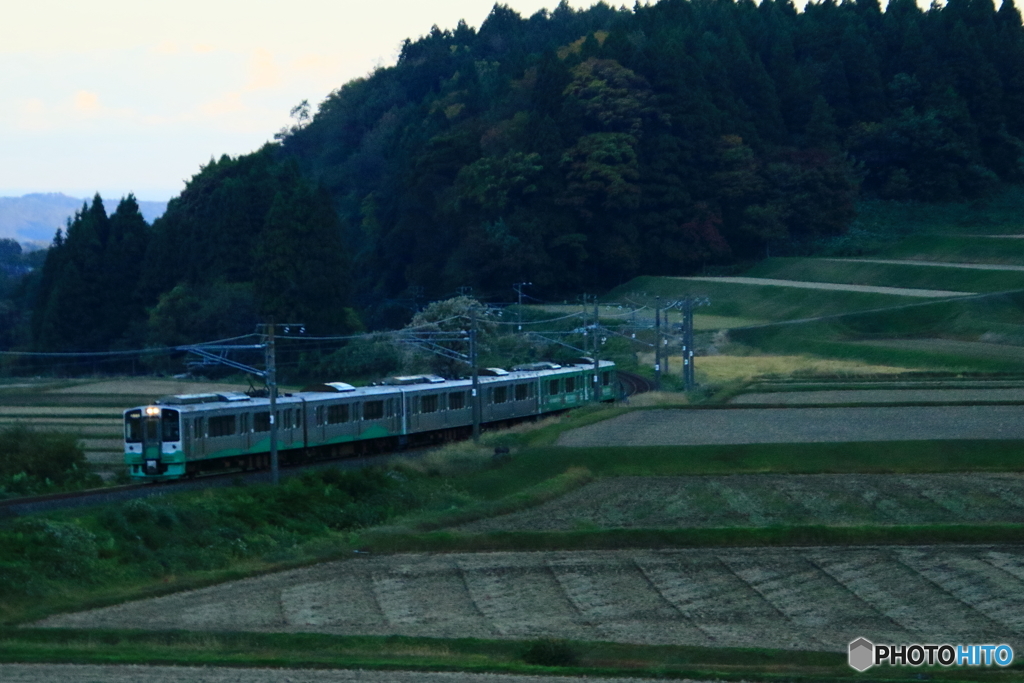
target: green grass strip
775 536
582 658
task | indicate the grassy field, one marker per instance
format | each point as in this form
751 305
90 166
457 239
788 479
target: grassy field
887 275
879 336
958 249
751 302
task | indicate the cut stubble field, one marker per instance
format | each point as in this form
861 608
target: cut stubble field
800 425
760 500
784 598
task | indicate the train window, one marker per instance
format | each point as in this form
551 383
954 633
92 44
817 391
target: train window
197 427
522 392
319 415
428 404
169 425
373 410
261 422
133 427
337 414
553 387
606 378
457 400
500 394
298 418
243 423
289 419
570 384
390 406
222 425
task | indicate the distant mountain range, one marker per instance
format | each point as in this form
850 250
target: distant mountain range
35 218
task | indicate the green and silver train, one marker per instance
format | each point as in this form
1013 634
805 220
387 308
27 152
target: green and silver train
185 435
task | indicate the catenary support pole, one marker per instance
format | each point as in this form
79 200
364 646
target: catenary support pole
657 343
597 352
275 475
476 375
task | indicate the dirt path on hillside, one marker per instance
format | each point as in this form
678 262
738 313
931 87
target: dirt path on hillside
800 425
73 673
941 264
790 598
801 284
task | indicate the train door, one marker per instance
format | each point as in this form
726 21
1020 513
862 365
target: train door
151 442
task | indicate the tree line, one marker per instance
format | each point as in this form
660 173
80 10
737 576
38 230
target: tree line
573 149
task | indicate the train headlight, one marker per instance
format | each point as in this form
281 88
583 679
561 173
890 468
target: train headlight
152 411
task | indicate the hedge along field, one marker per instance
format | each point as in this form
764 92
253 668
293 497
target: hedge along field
887 275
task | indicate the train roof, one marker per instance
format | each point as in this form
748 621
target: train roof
331 391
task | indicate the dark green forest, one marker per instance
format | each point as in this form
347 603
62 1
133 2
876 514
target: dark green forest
570 149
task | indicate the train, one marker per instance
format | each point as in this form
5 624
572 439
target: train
186 435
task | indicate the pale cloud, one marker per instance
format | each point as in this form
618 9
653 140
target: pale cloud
86 102
166 47
263 71
203 48
229 103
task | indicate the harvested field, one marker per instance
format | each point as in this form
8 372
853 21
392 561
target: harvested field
759 500
800 425
787 598
143 386
909 395
73 673
720 369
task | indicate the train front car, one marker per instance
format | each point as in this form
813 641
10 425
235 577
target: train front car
153 444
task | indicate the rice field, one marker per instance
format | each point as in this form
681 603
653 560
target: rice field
785 598
74 673
760 500
800 425
90 409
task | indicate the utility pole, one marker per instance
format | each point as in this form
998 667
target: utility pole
597 351
518 287
657 343
476 375
275 475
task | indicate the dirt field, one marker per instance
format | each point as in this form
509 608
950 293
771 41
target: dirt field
800 425
806 598
70 673
882 396
767 499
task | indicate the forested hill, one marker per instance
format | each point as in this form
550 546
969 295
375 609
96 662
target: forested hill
577 149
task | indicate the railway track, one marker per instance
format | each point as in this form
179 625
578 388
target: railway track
634 384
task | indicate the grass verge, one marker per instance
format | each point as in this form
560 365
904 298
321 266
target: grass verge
596 659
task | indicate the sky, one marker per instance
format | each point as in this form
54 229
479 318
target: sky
119 96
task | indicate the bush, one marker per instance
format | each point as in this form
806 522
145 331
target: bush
34 462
